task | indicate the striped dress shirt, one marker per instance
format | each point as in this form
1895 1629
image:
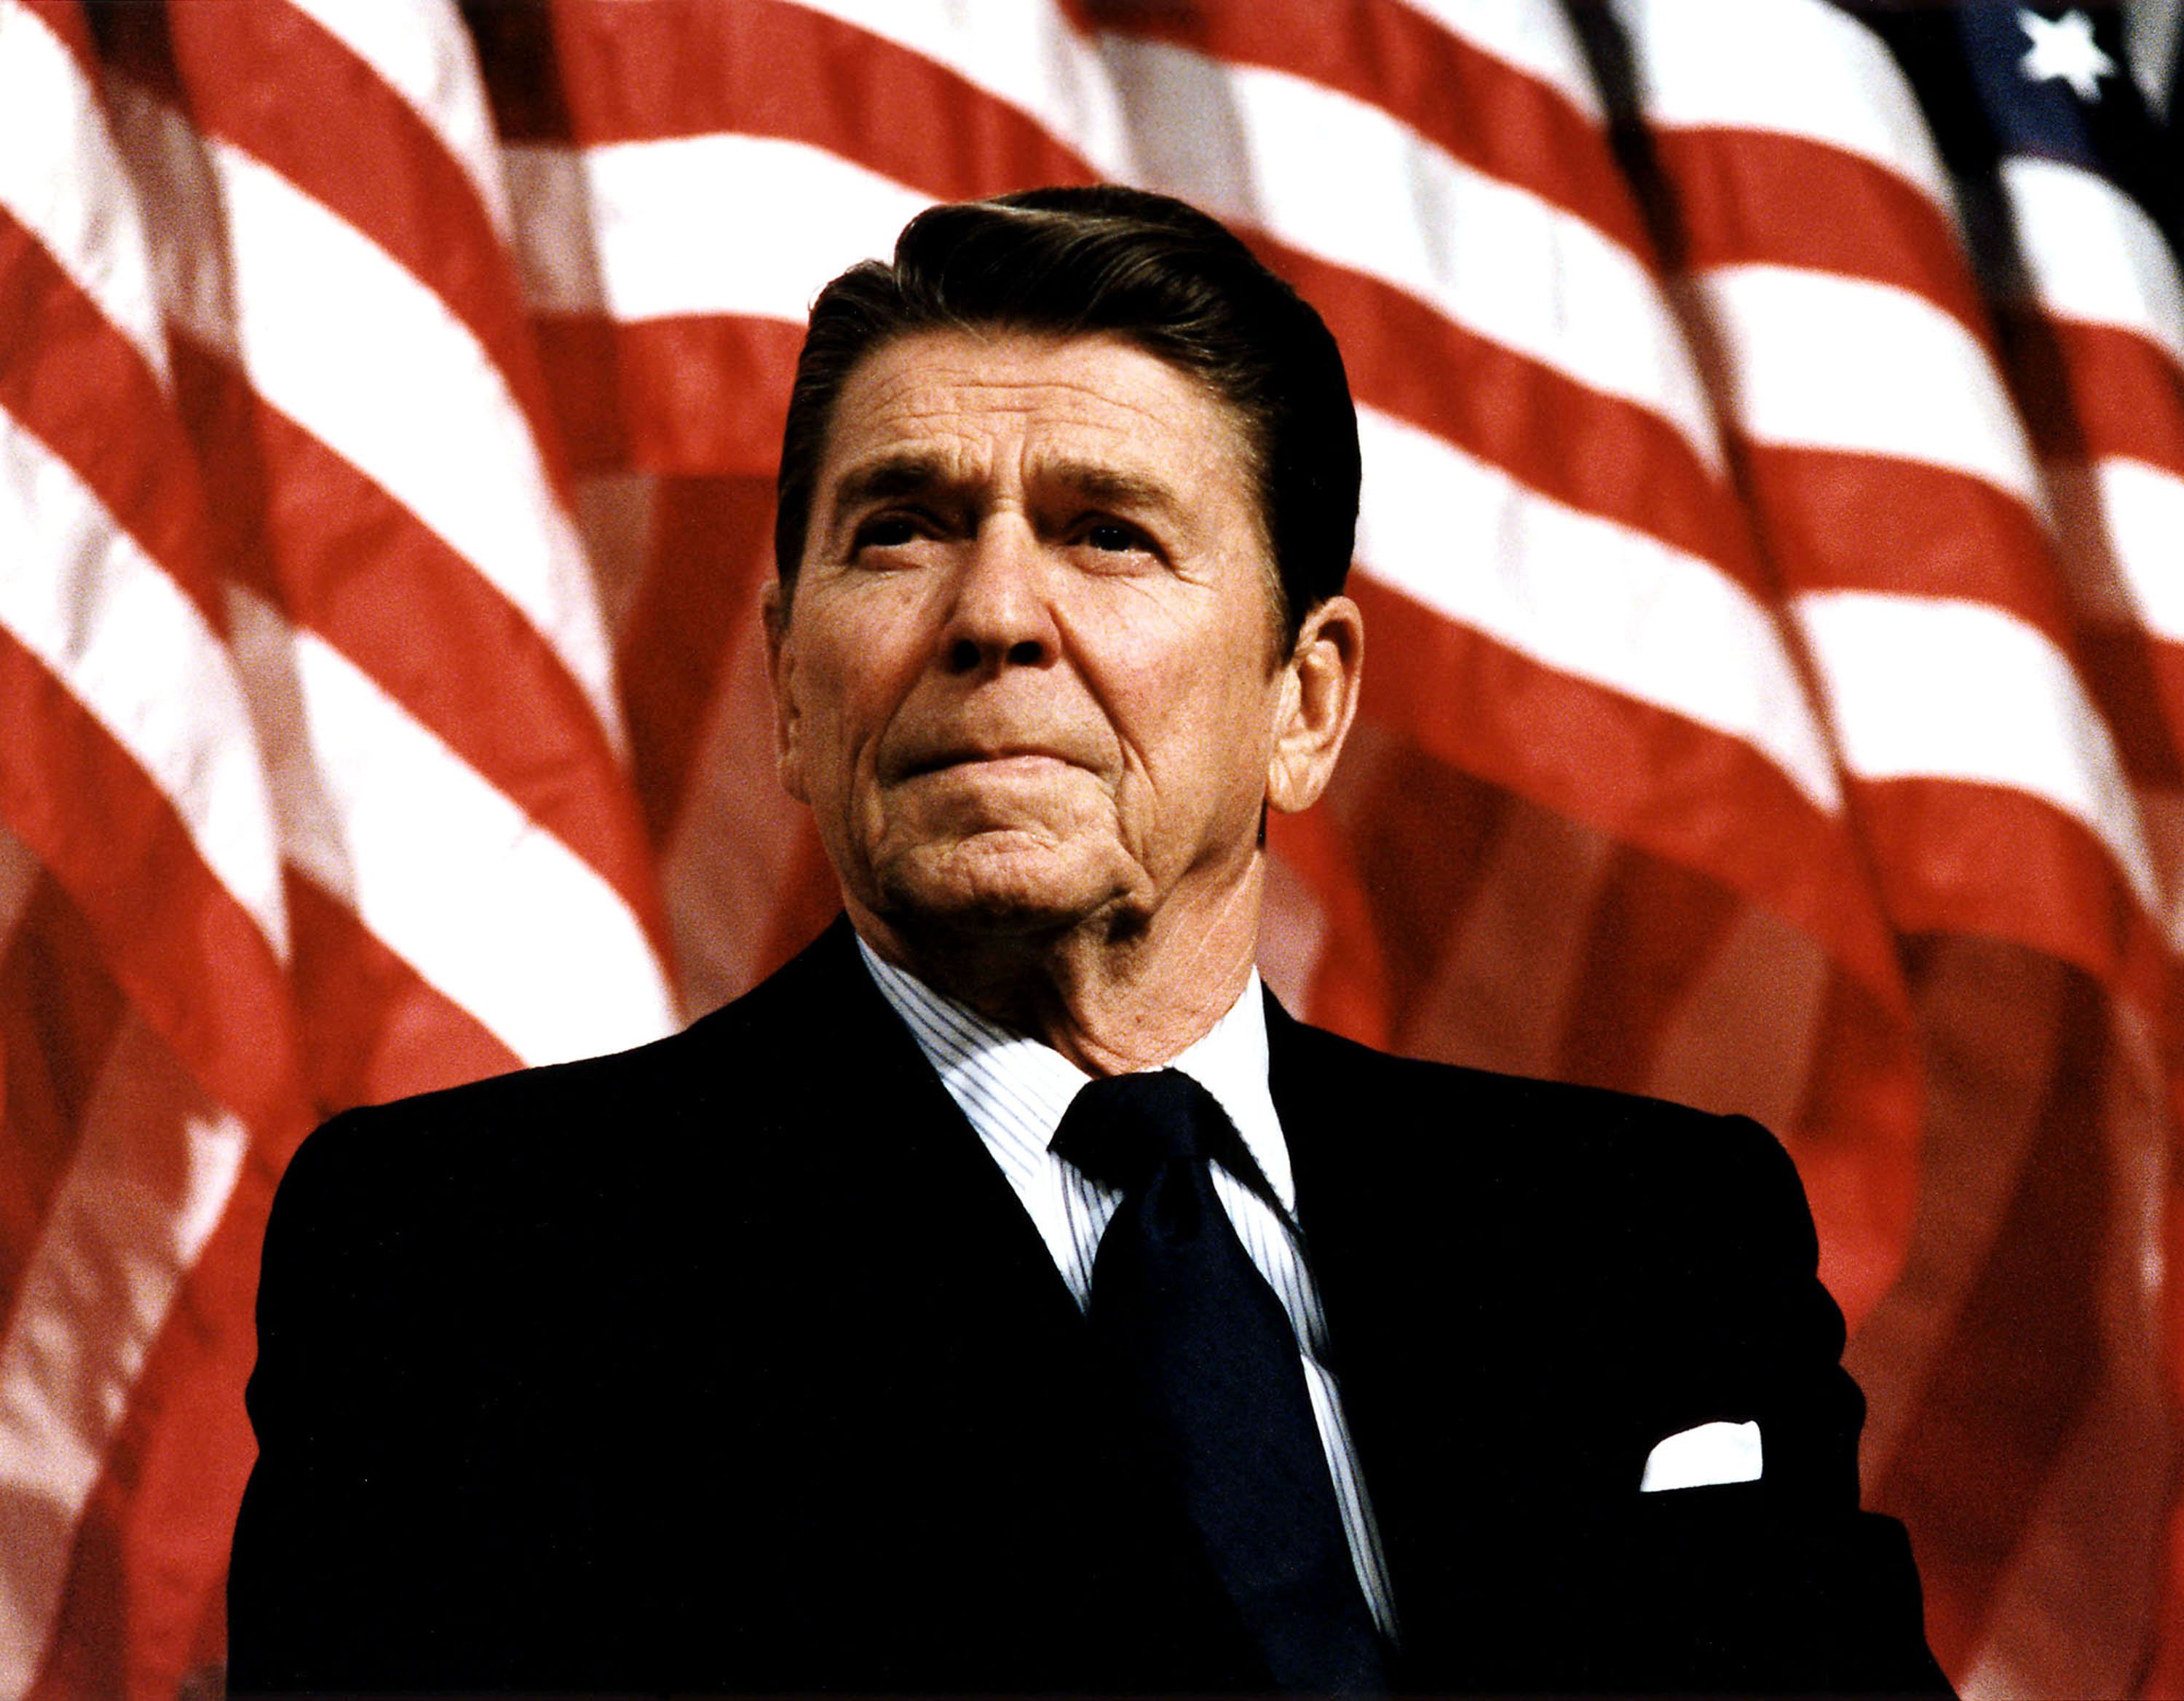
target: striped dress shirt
1014 1089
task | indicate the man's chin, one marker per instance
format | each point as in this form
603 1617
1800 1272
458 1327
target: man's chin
1002 890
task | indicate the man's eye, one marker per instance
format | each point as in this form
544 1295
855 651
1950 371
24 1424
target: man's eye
887 531
1108 534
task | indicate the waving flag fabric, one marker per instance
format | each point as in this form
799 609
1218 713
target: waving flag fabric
1773 529
1990 742
150 1072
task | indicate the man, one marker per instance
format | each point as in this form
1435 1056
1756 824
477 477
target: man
907 1325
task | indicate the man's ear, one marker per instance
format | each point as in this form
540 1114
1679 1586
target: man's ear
781 672
1319 701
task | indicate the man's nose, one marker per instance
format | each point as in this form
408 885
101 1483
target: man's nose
1003 615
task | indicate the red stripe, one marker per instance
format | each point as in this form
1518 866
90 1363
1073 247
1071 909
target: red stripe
808 898
1420 832
1640 773
581 355
701 394
712 549
378 1030
1836 521
59 1012
1756 197
766 68
1489 115
84 390
1855 1137
1654 930
179 946
2138 681
1952 856
340 135
2020 1363
2164 1674
741 845
2090 391
1591 451
345 559
151 1548
1348 988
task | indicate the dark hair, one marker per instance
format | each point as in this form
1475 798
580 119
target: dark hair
1148 268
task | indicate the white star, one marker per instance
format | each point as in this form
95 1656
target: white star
2064 47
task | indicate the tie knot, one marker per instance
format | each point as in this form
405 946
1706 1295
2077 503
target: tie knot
1120 1128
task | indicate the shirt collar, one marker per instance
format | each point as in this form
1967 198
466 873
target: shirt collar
1004 1078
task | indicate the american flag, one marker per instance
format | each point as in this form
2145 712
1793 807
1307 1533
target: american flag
1773 545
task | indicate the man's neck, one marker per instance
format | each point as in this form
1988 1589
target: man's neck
1110 1000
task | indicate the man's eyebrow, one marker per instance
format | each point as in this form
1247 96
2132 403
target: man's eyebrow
1114 487
888 477
914 472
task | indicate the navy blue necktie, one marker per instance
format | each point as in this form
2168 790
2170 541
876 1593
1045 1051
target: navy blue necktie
1207 1358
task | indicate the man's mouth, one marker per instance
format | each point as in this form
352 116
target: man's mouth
997 762
1000 759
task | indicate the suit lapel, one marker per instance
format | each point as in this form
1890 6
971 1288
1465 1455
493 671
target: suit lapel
971 1459
892 1120
1463 1316
1385 1209
838 1203
1347 1241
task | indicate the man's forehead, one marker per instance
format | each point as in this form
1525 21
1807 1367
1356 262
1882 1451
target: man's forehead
944 402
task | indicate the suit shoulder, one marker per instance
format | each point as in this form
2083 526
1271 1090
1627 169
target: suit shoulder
602 1139
1543 1150
709 1070
443 1129
1460 1101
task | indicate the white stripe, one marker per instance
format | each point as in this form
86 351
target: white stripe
1023 53
1799 67
142 1194
489 907
2091 254
420 51
779 219
1530 35
1344 180
1938 688
1583 595
107 621
2140 535
1815 360
62 179
346 342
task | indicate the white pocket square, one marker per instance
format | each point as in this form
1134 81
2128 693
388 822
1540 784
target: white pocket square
1695 1458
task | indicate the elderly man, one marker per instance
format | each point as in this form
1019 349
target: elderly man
1008 1295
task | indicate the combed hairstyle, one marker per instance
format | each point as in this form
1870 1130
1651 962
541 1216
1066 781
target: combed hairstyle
1152 271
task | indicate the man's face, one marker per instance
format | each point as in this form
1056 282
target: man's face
1029 675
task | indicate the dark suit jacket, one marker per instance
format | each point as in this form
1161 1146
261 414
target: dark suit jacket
732 1363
